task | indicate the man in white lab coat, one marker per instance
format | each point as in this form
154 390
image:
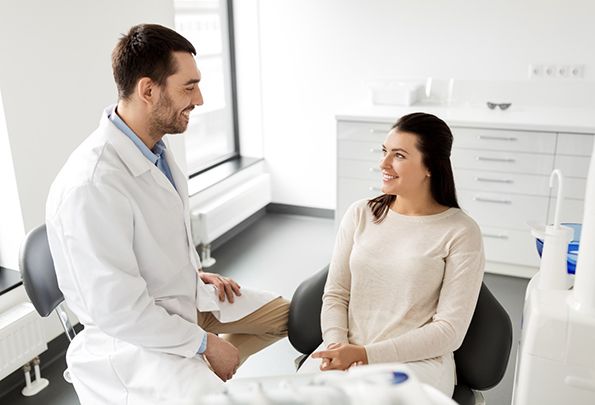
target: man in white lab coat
118 227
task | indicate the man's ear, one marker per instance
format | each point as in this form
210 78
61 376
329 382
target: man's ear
146 90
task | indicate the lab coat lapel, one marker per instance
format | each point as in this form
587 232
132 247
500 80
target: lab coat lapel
136 162
182 188
180 178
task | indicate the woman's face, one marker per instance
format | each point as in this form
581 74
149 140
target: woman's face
403 172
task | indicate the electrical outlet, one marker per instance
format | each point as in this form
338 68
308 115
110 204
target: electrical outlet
535 71
576 71
563 71
550 71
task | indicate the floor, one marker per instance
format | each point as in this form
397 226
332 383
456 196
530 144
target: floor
276 253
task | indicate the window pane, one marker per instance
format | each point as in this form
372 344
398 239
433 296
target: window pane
210 135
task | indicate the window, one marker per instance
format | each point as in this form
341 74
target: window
211 136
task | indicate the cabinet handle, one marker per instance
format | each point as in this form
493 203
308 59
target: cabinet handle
374 188
497 138
491 200
491 159
374 169
494 235
378 131
375 150
486 180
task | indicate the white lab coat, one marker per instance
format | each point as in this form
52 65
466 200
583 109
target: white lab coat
120 238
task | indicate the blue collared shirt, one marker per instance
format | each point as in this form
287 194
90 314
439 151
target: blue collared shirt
155 156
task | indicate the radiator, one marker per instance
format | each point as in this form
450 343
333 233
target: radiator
21 337
215 217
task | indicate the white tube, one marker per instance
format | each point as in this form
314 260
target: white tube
584 283
552 271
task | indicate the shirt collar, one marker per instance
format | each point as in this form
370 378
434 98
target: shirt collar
158 149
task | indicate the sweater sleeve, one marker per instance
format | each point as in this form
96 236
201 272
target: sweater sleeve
335 300
463 274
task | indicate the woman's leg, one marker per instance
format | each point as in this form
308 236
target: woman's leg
439 372
311 365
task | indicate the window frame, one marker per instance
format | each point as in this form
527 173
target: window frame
229 58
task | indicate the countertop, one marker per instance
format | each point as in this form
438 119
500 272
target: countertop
9 279
571 120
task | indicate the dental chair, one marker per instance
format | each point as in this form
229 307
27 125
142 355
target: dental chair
481 360
39 278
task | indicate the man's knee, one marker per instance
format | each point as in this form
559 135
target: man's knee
278 324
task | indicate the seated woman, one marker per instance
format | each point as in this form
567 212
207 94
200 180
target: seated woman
407 266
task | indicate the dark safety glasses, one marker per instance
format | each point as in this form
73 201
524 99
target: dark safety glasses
502 106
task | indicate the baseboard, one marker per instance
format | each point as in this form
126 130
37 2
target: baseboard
56 350
300 210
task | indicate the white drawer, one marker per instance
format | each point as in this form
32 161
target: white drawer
358 169
573 166
369 151
502 182
574 144
363 131
510 246
504 140
351 190
503 210
571 210
510 162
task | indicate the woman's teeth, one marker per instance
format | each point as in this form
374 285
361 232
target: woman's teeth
386 177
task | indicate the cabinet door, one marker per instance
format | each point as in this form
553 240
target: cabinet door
510 246
504 140
358 150
575 144
351 190
363 131
503 210
571 210
359 169
530 184
572 166
509 162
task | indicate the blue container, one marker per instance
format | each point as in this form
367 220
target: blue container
572 247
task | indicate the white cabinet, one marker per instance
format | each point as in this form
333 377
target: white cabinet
501 175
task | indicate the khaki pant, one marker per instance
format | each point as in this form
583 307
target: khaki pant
253 332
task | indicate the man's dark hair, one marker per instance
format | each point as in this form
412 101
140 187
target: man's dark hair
146 51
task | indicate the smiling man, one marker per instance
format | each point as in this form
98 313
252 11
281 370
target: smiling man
119 232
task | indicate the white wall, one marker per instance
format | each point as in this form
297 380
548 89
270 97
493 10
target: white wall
55 77
317 55
12 229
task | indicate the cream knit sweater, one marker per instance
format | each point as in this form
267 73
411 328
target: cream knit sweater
406 288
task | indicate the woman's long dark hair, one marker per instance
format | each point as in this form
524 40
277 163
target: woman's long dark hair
434 141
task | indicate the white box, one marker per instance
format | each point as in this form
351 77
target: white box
396 93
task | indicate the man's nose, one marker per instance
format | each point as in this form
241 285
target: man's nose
197 97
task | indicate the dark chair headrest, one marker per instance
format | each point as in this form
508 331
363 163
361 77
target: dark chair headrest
303 325
483 357
37 271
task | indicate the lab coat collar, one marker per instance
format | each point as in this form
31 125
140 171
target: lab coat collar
138 164
132 157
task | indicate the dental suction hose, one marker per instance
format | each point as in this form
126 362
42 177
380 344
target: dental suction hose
553 275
